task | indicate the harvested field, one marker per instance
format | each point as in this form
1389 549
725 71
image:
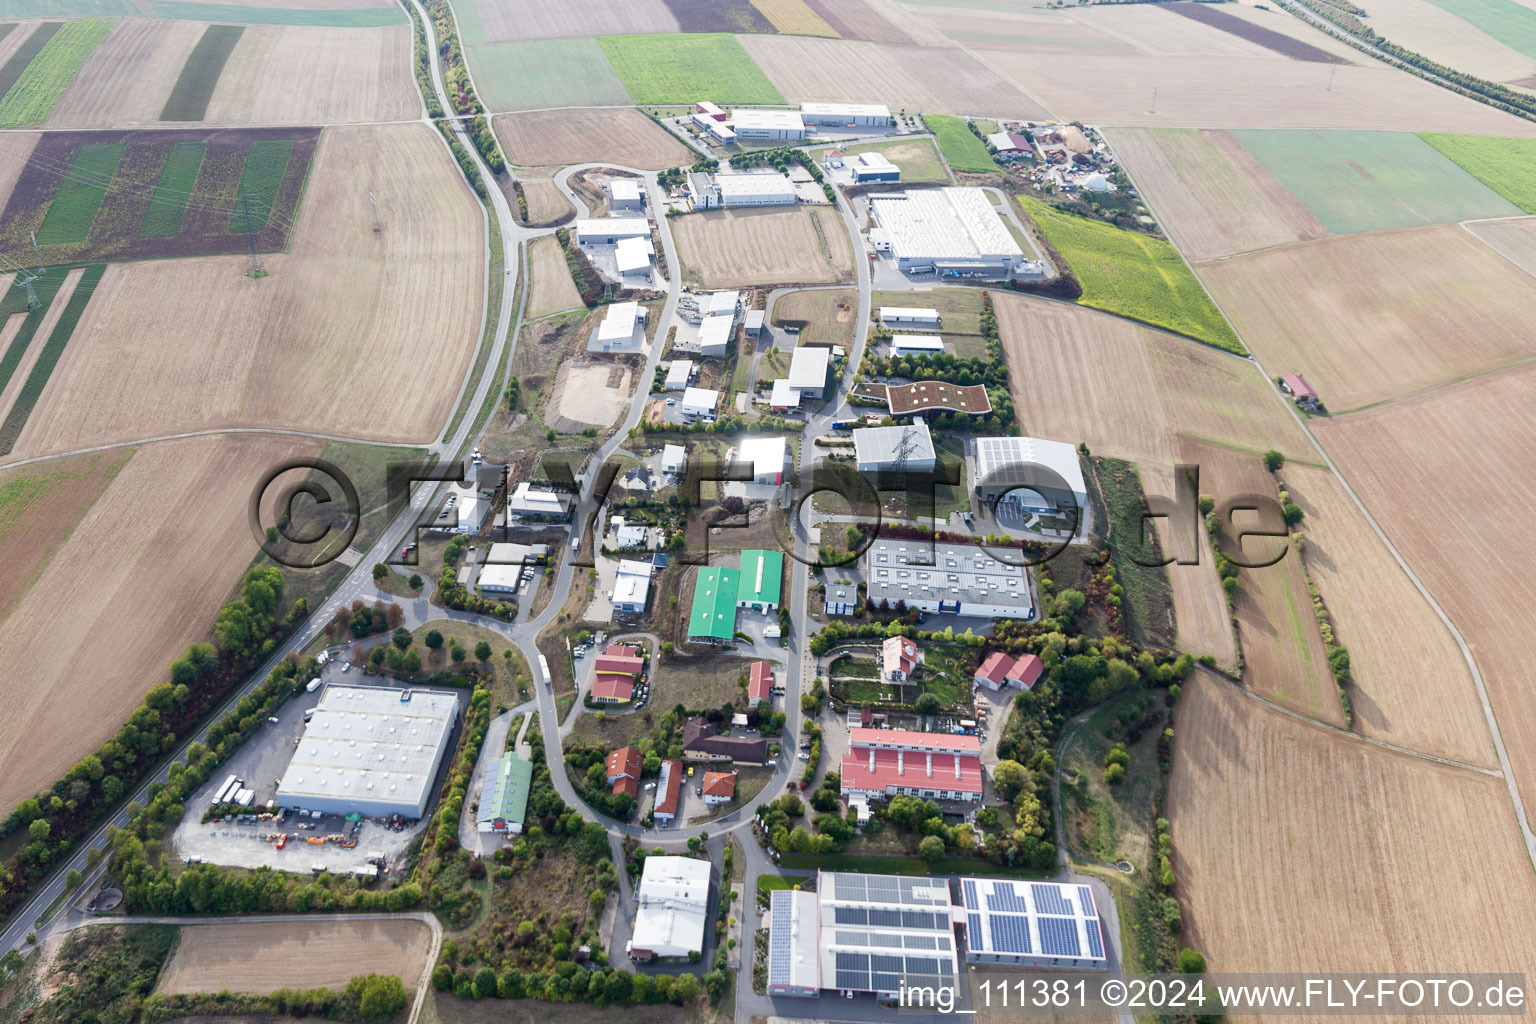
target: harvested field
1515 240
545 73
1283 655
398 309
681 68
1355 825
1243 92
127 80
27 331
589 393
742 248
943 79
1272 20
718 16
827 314
1268 38
1438 33
1480 568
512 20
1210 195
1508 166
1155 33
546 203
1203 623
133 221
114 609
300 75
552 290
1020 30
858 19
15 154
1367 317
794 18
314 12
557 138
21 48
32 527
294 954
48 348
1367 181
1396 643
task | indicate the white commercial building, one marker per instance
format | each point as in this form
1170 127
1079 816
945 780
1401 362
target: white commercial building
530 502
1031 924
470 511
956 579
783 397
766 456
948 231
632 256
625 194
756 188
917 345
1029 473
674 460
608 230
679 375
370 749
859 115
701 191
672 906
723 304
699 403
767 124
910 316
808 368
617 331
877 449
631 585
873 166
715 335
862 934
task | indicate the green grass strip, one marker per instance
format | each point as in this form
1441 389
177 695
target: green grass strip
265 164
963 150
168 206
358 17
20 9
80 194
15 301
48 358
24 55
48 77
682 68
200 74
1508 166
1133 275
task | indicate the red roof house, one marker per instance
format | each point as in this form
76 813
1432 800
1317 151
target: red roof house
668 789
760 682
719 787
993 672
616 670
624 763
1300 390
886 762
1026 672
627 784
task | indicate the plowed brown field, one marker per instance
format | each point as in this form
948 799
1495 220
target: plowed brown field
557 138
128 78
271 955
289 74
1515 240
551 290
739 248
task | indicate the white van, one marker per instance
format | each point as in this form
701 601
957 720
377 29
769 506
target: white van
313 685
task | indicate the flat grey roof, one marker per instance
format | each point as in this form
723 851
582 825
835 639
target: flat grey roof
878 444
904 570
808 367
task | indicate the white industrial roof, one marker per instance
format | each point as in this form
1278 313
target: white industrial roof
1002 142
624 189
783 395
673 898
515 554
633 254
365 743
617 227
747 184
500 577
770 120
678 374
903 570
943 223
766 454
907 313
926 342
619 323
851 109
878 444
874 161
1000 460
794 952
633 567
723 303
715 332
674 458
700 400
631 588
808 367
528 498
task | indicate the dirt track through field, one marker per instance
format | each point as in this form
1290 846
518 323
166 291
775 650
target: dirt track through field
263 957
354 332
288 74
139 579
126 81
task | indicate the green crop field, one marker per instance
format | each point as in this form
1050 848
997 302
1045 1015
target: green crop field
194 86
48 358
31 99
1367 181
265 165
25 52
964 151
68 8
84 186
1504 20
1133 275
168 205
545 73
684 68
1508 166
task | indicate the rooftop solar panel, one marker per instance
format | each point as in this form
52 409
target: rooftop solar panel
850 915
1005 898
887 964
885 939
973 934
1058 936
852 961
1095 941
1010 933
923 965
884 918
1048 900
858 980
852 938
968 888
1085 901
921 942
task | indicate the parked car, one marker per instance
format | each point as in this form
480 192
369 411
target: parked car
346 666
804 756
272 720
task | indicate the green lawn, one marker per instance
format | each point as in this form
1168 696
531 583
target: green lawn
265 164
1508 166
194 86
1504 20
1133 275
545 73
80 194
687 68
48 76
959 308
916 158
964 151
1367 181
168 204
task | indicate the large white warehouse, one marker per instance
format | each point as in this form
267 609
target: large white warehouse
1033 474
756 188
767 124
862 115
370 749
947 231
955 579
876 448
673 903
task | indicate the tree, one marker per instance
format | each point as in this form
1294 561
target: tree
401 638
380 996
434 640
39 830
928 704
380 570
1292 513
1273 460
482 651
931 848
457 652
685 989
1008 778
415 582
1191 962
485 983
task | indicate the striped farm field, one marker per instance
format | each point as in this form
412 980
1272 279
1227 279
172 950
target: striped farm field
80 193
794 18
127 79
266 165
31 100
168 203
200 74
681 68
31 44
48 358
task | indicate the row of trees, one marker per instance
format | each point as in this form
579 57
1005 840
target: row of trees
368 997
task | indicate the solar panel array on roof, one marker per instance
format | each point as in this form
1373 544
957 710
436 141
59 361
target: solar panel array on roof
779 942
973 931
850 915
921 942
1095 940
1048 900
1058 936
1007 899
968 888
1085 901
1010 933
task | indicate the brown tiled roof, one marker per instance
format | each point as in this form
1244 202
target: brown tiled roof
926 395
699 736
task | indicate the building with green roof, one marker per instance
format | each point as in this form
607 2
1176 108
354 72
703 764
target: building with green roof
762 573
504 795
714 605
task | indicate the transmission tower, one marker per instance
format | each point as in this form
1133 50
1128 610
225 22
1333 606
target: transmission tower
904 449
28 278
253 258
